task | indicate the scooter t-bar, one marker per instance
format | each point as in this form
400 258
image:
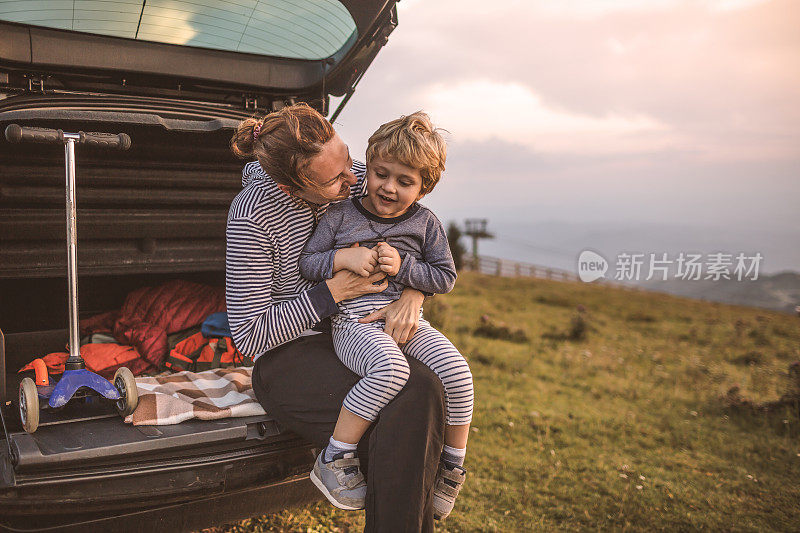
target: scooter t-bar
16 134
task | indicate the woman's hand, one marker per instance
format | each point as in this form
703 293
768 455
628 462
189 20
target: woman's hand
359 259
402 315
345 284
388 259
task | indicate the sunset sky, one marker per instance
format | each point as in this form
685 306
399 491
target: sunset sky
651 126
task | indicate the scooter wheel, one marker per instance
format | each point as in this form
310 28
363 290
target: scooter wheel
28 405
126 385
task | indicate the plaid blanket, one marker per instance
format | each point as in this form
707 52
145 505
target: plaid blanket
209 395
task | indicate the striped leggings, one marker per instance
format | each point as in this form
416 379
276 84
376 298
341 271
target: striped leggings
369 352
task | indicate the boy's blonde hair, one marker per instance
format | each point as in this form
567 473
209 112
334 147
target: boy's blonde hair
413 141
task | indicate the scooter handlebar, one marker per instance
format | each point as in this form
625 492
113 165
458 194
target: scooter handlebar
16 134
120 141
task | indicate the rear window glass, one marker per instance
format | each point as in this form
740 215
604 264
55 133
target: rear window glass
298 29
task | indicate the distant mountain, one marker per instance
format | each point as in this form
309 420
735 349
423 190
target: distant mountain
779 291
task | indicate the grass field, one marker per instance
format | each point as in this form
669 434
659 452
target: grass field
613 410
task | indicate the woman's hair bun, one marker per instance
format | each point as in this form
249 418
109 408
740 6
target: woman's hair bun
242 142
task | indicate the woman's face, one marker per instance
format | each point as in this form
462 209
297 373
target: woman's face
330 170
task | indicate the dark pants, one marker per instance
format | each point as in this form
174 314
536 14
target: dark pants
303 384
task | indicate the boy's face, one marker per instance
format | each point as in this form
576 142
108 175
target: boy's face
391 187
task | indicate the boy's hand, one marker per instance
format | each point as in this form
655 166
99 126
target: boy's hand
358 259
388 259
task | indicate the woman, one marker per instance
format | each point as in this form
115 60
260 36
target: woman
302 165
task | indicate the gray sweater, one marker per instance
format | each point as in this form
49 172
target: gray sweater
418 236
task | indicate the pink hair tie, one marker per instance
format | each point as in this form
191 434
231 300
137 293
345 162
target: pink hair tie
256 131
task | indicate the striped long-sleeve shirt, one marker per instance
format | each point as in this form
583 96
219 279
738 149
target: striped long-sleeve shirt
268 302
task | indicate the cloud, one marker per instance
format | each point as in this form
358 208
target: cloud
588 8
518 115
719 78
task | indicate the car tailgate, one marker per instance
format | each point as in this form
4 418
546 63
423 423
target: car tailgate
106 440
102 464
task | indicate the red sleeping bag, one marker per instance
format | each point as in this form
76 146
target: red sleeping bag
147 316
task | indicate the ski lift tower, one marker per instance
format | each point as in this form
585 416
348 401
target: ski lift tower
476 228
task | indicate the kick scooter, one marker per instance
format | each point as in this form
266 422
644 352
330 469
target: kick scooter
76 382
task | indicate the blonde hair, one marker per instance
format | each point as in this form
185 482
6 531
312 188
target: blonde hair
413 141
284 142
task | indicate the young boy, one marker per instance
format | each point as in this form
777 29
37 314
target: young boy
388 230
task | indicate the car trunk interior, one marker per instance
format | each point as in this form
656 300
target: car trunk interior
144 216
154 213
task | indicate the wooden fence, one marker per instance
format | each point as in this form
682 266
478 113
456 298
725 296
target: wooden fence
505 267
496 266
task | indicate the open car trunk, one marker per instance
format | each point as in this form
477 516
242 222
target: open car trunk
149 215
154 213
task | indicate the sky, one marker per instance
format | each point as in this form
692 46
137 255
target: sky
613 125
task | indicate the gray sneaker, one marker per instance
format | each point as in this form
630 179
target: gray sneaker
340 480
448 482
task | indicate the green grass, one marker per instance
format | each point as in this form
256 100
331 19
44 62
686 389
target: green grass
622 426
